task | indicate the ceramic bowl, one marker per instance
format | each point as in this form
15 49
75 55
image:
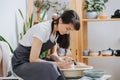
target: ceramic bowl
76 72
94 73
106 52
102 16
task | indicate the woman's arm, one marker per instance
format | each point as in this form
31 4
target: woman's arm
35 50
54 55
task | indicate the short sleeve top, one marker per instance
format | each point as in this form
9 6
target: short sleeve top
41 31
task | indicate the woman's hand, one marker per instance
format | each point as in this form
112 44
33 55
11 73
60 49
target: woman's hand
65 64
66 58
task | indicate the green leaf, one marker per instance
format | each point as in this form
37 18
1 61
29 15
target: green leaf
44 54
24 29
43 16
31 21
105 1
21 14
4 40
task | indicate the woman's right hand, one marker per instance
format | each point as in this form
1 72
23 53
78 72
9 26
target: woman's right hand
65 64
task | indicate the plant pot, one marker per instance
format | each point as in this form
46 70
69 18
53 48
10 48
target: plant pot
91 15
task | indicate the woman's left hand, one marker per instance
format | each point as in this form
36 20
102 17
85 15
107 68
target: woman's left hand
65 64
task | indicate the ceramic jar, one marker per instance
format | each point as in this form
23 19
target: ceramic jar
91 15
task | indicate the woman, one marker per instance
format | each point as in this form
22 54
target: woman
41 37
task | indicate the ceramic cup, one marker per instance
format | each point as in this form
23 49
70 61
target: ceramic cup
85 53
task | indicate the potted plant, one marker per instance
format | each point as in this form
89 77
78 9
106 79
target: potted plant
94 7
45 5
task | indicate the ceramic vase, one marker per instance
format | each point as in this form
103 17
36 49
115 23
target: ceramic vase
91 15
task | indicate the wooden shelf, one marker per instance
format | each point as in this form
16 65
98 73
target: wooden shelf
101 57
115 19
81 43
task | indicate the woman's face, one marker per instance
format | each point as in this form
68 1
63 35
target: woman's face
65 28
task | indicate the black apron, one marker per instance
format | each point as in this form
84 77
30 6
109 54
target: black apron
35 70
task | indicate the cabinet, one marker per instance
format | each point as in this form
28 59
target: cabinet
82 42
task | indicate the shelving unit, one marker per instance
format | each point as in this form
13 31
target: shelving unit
100 57
101 19
83 33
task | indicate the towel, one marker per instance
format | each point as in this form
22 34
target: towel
5 59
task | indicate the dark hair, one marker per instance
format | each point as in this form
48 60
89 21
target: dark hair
64 41
68 16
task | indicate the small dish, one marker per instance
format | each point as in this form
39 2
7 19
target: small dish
94 73
102 16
